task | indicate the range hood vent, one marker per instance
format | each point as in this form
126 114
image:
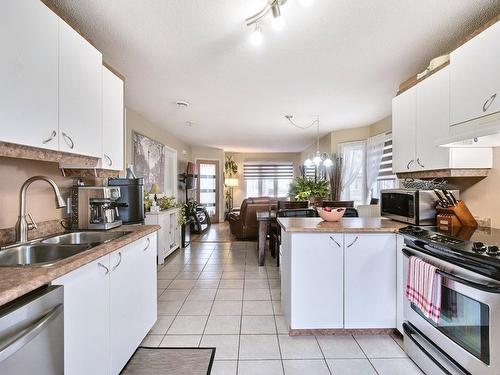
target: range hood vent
445 173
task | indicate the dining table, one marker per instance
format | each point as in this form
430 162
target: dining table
264 218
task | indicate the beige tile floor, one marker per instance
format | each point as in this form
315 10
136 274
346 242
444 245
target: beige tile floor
216 295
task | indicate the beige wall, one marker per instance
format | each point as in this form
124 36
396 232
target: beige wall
329 143
481 195
40 198
241 158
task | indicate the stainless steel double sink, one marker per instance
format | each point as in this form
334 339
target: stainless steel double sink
46 252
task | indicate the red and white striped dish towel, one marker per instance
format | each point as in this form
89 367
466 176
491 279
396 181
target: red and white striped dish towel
423 287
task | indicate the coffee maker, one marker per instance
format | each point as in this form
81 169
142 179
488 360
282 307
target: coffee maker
95 207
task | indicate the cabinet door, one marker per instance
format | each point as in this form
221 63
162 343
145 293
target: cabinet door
475 77
370 281
316 289
80 94
132 298
28 74
400 283
433 121
404 122
112 121
86 318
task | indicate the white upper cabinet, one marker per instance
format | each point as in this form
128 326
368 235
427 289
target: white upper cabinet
112 121
433 117
475 77
29 74
404 122
80 94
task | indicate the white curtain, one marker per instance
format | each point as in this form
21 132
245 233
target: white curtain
353 159
374 154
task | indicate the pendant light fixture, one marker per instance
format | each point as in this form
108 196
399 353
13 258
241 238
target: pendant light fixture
319 158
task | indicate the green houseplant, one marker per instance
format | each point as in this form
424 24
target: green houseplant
303 188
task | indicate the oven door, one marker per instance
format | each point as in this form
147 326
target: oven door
399 205
467 333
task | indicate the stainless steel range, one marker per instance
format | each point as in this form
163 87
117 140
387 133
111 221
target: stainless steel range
466 339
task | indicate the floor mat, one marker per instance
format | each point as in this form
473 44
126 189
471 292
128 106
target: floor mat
170 361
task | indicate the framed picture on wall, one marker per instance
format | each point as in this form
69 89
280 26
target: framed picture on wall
149 160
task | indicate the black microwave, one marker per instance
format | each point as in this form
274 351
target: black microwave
415 207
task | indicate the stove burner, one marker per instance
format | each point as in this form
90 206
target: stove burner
493 250
479 247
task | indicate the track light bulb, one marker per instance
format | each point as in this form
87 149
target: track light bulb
256 38
278 23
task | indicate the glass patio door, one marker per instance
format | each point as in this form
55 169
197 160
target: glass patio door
208 189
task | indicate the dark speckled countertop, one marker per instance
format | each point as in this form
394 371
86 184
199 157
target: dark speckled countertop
17 281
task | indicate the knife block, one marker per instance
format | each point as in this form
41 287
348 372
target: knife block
449 218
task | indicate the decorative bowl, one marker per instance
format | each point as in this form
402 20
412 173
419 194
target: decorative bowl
334 215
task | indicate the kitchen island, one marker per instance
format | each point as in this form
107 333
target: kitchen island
339 277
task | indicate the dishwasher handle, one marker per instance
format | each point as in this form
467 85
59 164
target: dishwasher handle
27 334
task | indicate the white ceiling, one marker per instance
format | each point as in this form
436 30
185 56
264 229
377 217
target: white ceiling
342 59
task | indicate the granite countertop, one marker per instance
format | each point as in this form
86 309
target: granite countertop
345 225
17 281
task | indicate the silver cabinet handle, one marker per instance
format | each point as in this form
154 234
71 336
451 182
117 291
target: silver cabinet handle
353 242
334 240
147 246
52 136
68 140
110 162
409 164
26 335
419 163
119 261
489 102
103 266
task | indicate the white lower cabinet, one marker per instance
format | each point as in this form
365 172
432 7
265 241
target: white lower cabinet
132 299
169 236
335 281
370 281
316 284
109 307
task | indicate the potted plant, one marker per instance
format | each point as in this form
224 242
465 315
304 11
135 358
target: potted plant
303 188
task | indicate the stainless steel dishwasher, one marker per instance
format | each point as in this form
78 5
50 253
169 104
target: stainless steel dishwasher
32 334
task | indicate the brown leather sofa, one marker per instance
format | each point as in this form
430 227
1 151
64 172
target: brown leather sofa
243 224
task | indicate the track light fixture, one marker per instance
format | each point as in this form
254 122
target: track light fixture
278 21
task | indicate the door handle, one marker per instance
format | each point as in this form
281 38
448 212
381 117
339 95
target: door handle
103 266
24 336
334 240
489 102
119 261
419 163
147 246
409 164
68 140
52 136
353 242
110 161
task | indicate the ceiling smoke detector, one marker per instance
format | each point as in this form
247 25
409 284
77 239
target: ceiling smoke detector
182 104
190 123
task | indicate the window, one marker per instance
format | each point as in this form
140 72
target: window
267 179
353 177
386 179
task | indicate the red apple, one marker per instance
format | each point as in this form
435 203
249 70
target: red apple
327 209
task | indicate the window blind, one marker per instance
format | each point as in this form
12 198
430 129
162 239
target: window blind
385 172
261 171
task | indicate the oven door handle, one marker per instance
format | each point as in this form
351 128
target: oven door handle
410 332
461 280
